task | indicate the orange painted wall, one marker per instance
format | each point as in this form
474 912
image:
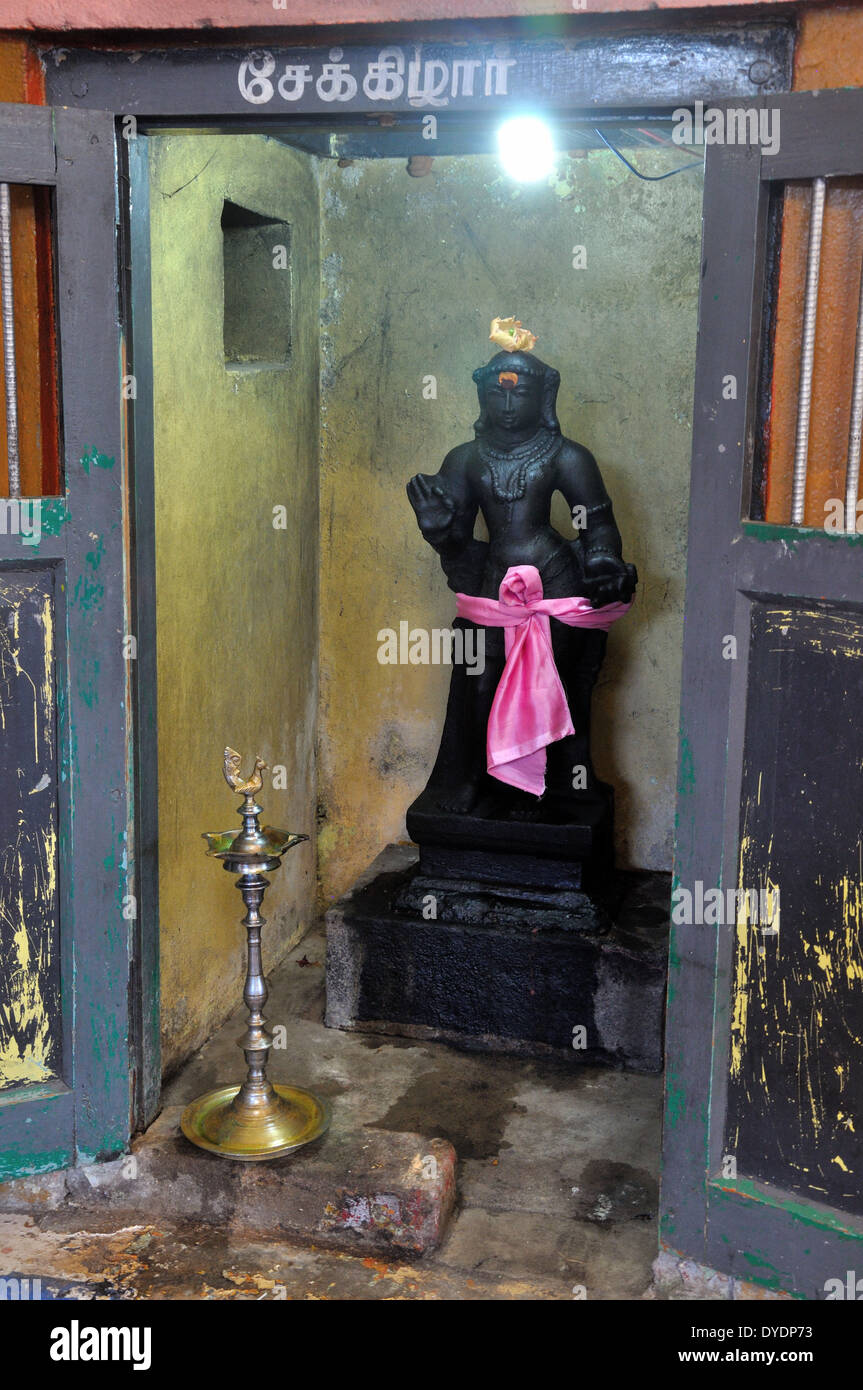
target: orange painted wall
20 81
829 54
19 75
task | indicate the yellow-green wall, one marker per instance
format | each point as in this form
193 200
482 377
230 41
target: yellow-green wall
237 598
395 280
413 271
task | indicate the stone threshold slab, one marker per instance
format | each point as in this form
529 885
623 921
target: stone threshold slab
371 1192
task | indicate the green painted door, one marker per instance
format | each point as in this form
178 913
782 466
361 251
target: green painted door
762 1155
67 906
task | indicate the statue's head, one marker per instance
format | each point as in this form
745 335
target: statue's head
516 393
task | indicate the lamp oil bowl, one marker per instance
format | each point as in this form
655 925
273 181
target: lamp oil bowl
257 1120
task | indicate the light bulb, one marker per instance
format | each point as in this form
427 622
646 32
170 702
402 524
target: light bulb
526 148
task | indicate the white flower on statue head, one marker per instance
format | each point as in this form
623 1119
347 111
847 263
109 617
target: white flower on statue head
509 334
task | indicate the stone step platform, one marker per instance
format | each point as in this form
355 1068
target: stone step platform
365 1191
583 979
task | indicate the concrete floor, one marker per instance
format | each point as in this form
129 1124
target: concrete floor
557 1176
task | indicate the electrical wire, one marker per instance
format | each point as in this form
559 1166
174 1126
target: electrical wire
648 178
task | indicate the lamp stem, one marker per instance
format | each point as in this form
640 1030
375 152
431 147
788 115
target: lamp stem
256 1042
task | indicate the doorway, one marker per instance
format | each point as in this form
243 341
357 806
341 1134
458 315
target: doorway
315 322
389 768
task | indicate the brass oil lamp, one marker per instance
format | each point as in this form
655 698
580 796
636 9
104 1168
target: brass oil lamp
259 1119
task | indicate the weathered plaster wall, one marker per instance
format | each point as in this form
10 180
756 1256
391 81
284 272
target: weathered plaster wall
413 272
237 598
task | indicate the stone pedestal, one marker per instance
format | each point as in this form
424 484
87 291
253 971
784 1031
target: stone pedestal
552 853
441 948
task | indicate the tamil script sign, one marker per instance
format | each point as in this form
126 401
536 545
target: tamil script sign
649 69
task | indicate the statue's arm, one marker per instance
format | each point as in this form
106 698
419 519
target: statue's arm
444 503
446 507
580 481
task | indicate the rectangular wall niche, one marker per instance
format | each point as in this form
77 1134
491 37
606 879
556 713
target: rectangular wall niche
257 275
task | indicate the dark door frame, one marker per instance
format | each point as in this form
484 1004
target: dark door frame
178 88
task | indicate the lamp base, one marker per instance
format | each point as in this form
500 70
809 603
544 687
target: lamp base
290 1118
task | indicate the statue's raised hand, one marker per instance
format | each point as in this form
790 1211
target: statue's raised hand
434 507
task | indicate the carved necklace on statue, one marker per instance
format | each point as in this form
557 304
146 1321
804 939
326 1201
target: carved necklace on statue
508 469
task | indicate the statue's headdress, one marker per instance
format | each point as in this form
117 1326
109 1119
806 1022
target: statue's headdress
515 362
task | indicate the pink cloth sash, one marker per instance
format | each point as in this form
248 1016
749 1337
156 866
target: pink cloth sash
529 710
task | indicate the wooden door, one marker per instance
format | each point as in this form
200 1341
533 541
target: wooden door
67 900
763 1165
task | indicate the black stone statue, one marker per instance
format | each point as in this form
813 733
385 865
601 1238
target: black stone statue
510 472
514 930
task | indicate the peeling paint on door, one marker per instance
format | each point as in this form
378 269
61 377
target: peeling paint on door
29 979
796 1062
